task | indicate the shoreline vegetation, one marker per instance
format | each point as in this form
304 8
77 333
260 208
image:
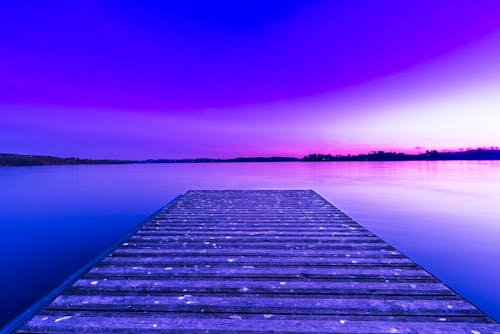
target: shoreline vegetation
492 153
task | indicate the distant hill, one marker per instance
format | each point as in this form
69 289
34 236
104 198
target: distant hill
38 160
256 159
475 154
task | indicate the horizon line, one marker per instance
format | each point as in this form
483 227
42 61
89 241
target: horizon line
265 157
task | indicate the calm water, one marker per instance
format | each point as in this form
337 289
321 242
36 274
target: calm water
444 215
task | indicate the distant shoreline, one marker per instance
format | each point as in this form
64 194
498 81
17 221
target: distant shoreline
40 160
473 154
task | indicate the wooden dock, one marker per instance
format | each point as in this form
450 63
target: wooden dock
256 261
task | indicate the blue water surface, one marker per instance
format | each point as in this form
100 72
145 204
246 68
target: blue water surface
444 215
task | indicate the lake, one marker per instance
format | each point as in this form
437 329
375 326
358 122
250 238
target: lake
445 215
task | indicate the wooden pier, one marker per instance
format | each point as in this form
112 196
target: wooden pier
283 261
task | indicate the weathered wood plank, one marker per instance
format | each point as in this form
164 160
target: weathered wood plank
206 252
263 259
274 316
260 245
264 324
251 233
252 286
266 304
229 270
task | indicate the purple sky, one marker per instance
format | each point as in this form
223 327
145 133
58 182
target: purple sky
181 79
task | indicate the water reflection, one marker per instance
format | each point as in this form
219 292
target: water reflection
444 215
